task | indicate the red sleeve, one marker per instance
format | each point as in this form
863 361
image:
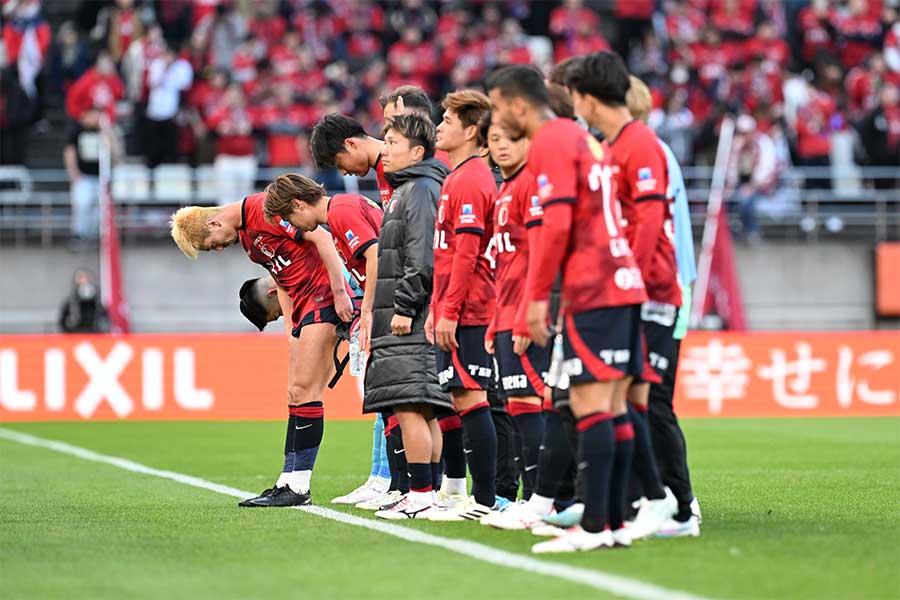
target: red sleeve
76 92
350 223
645 172
520 327
465 256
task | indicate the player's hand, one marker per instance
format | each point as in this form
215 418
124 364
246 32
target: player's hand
445 334
429 328
343 306
536 318
399 106
520 344
401 325
365 329
489 345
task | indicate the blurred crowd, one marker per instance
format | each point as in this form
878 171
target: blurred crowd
238 83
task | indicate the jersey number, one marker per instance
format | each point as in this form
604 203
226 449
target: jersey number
600 179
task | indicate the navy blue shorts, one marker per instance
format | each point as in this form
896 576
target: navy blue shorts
604 344
468 367
658 321
521 375
320 315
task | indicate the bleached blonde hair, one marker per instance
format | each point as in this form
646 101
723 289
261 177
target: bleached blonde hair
638 99
189 227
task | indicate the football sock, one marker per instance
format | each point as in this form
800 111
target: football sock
378 457
596 455
436 476
529 420
420 483
481 453
452 455
623 433
644 462
401 470
554 457
309 425
540 505
288 454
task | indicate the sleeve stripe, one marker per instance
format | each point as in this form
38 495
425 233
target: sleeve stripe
475 230
535 223
359 251
566 200
298 235
649 197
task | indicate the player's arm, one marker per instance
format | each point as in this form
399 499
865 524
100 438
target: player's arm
325 246
465 252
368 301
287 308
414 288
650 203
520 325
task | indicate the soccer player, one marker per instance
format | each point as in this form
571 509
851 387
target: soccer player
259 301
410 98
599 83
401 373
668 440
341 142
311 289
463 300
602 291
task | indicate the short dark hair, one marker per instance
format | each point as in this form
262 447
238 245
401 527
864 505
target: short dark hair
484 125
327 138
602 75
251 304
418 129
414 98
519 81
560 101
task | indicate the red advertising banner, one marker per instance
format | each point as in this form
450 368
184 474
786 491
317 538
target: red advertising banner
244 376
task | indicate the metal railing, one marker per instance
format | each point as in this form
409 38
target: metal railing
35 203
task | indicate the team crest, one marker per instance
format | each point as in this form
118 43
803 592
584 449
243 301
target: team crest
264 247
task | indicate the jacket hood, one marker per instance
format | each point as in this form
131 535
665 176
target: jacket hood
431 168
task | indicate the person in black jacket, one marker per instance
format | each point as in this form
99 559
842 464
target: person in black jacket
401 374
83 311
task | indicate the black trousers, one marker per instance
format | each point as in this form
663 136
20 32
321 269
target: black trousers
668 440
160 142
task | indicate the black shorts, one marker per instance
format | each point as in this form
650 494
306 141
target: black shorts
604 344
320 315
468 367
521 375
658 321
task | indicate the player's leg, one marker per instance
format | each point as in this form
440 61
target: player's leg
453 490
623 433
418 444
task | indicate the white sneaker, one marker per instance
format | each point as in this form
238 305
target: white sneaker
652 514
569 517
517 516
371 489
447 501
469 510
695 510
384 500
672 528
545 530
405 509
575 539
622 537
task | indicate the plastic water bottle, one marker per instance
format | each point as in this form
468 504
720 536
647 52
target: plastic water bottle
556 361
357 363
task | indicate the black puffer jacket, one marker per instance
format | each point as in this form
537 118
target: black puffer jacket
401 369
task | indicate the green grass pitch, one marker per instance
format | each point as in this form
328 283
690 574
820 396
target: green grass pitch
791 508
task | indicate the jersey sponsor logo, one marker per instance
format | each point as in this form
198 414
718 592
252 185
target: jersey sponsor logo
445 375
646 182
480 371
349 234
514 382
615 357
536 210
467 217
287 226
352 239
545 188
573 367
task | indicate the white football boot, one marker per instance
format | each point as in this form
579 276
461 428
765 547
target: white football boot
371 489
575 539
384 500
407 508
652 514
469 510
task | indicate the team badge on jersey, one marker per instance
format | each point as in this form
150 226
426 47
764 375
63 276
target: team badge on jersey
352 239
646 181
545 188
468 215
263 247
535 210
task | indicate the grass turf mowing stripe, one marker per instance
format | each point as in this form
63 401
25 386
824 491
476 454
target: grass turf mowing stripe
617 585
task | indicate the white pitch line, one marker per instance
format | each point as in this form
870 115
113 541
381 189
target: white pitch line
614 584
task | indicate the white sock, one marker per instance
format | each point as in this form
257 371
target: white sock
540 505
282 480
451 485
298 481
381 482
420 498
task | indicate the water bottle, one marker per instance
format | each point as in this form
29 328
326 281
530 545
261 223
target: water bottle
554 374
357 363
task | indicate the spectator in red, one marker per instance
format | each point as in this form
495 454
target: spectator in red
26 39
136 63
816 120
863 83
283 121
815 23
119 25
585 40
204 9
564 20
411 55
859 33
683 21
235 164
767 45
266 25
98 88
752 172
284 56
710 59
881 130
244 59
634 19
363 45
513 47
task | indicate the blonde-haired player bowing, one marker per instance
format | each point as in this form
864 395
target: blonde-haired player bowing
311 289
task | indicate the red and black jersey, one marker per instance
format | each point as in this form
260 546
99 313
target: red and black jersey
355 222
463 281
642 180
517 214
580 234
385 190
294 264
